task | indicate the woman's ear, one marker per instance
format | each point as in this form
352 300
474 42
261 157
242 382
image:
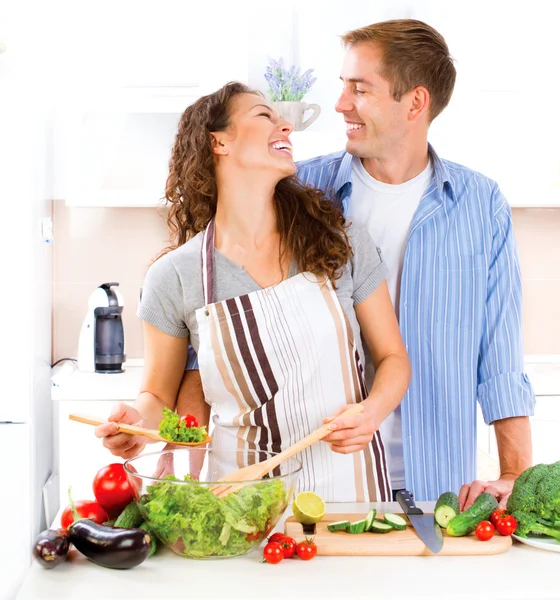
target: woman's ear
218 145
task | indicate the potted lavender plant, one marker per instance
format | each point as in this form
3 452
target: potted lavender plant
287 87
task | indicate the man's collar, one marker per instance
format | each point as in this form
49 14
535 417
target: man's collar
441 172
344 175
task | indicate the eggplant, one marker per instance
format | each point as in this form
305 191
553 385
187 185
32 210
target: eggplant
51 548
112 547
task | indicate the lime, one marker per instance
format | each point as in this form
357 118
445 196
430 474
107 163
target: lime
308 508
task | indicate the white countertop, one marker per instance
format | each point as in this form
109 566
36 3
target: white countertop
71 384
68 383
521 573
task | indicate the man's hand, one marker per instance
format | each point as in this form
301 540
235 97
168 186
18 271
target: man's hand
501 489
353 432
122 444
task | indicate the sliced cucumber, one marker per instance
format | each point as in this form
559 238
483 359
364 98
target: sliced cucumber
338 526
369 518
447 507
395 521
380 527
357 526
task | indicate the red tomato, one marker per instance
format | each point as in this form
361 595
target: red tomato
275 537
507 525
497 514
111 489
288 546
273 553
253 537
88 509
306 550
189 421
484 531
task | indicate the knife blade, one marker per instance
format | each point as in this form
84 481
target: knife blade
425 525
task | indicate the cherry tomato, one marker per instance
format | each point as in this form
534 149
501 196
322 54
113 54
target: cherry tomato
88 509
189 421
253 537
484 531
306 550
112 489
506 525
288 546
273 553
497 514
275 537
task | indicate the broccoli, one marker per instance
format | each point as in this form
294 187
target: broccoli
535 501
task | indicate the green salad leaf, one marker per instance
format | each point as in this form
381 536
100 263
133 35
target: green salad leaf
173 429
197 523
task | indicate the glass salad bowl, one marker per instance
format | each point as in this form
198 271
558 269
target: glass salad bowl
173 490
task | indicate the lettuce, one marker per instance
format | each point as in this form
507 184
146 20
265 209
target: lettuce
173 429
194 522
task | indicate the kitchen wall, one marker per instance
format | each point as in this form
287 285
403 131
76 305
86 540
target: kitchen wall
95 245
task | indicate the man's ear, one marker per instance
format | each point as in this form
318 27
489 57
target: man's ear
419 102
218 144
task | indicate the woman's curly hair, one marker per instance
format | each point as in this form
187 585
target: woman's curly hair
311 227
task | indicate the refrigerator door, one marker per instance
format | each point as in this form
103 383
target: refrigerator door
15 557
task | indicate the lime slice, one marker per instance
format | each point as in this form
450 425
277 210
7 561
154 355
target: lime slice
308 508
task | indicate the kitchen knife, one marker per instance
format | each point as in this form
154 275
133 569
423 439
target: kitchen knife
425 525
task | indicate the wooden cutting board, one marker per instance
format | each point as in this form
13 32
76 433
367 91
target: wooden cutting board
394 543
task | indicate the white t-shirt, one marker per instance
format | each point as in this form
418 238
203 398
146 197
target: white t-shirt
387 211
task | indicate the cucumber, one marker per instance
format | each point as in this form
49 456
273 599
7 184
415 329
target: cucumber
338 526
380 527
130 516
447 507
357 526
466 522
395 521
153 539
369 518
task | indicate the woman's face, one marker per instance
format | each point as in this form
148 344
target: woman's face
257 138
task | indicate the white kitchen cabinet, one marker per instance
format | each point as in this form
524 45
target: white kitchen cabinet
78 454
545 424
130 44
119 96
118 152
544 374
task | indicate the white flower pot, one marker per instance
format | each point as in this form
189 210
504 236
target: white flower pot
294 112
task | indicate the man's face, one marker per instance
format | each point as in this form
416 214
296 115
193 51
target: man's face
376 124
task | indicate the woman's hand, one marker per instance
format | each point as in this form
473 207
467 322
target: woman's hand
353 432
122 444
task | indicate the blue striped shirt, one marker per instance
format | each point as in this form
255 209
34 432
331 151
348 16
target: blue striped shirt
460 318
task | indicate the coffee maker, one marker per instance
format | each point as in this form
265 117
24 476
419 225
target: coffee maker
101 343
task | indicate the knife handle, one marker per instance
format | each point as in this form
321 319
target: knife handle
404 498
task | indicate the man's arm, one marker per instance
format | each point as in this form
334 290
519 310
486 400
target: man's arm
513 436
504 391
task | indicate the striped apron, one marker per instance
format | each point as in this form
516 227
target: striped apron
273 364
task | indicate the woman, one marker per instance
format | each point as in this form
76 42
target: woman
271 288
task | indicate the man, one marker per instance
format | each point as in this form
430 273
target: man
446 236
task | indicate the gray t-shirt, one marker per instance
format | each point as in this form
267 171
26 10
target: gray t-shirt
172 290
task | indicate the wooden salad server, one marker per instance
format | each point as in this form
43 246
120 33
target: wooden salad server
134 430
258 470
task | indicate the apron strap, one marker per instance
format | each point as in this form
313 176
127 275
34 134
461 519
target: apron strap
207 263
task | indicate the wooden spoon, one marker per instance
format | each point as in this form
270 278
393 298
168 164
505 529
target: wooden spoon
258 470
134 430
